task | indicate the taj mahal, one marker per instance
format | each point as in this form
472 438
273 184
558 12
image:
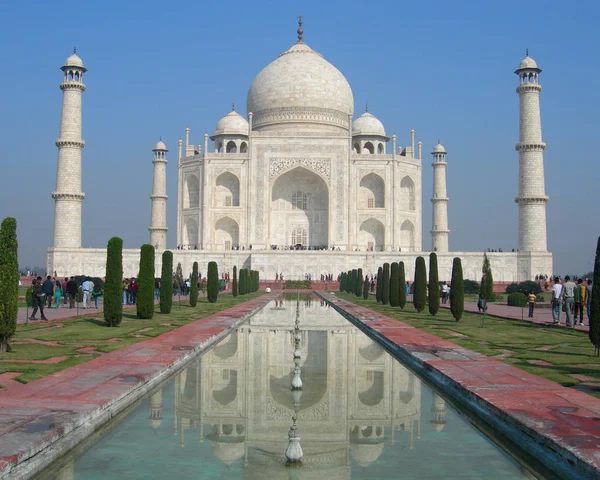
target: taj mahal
301 184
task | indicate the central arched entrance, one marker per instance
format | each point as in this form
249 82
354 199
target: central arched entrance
299 213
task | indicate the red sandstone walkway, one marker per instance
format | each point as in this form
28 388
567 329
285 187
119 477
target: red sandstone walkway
556 417
37 415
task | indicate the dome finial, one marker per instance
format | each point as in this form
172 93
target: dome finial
233 106
75 49
300 31
367 107
526 52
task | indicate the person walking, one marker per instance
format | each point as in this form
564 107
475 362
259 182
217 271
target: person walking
97 293
72 291
531 302
48 289
133 288
568 294
86 288
57 294
157 289
64 290
38 298
579 301
588 299
557 290
444 293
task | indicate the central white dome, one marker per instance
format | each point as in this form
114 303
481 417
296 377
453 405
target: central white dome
300 87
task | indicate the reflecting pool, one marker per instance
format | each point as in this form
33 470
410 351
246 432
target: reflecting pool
359 414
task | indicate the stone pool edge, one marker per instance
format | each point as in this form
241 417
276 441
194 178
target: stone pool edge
32 459
566 460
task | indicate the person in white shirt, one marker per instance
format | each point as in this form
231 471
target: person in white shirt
86 287
557 290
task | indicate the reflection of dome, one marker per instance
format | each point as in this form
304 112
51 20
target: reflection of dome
438 426
366 453
300 86
368 124
233 124
228 452
156 423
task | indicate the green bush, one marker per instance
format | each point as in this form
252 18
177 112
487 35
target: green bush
359 283
113 288
420 286
194 285
234 283
212 282
434 285
594 333
378 289
297 284
9 281
365 292
394 285
457 292
349 282
471 287
385 284
166 282
402 285
524 287
516 299
343 282
179 277
144 300
487 280
28 297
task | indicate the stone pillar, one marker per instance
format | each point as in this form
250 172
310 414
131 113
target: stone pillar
532 198
439 227
68 195
158 227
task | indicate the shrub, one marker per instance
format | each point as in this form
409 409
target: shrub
594 332
212 282
487 280
113 288
166 282
297 284
402 285
524 287
144 300
349 282
343 282
379 284
365 292
28 297
420 286
434 285
471 287
359 283
234 284
385 284
394 285
457 292
9 281
194 285
516 299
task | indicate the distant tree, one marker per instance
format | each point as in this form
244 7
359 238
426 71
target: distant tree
113 286
420 293
212 282
9 281
194 285
166 282
394 285
595 304
434 285
365 292
343 282
487 280
243 281
378 288
179 276
354 276
359 282
457 291
234 285
385 284
401 285
144 300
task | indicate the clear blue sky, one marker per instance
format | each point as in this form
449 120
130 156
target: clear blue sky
444 68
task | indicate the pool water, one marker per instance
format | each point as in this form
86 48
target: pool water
360 413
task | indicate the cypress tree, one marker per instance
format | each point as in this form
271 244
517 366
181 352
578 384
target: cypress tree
343 282
365 292
394 285
349 282
595 304
242 282
144 300
420 293
353 282
434 285
385 284
457 290
166 282
234 286
359 283
212 282
257 280
487 280
179 277
379 284
194 285
9 281
402 285
113 285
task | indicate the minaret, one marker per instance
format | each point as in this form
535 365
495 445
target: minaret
158 227
68 195
439 228
532 198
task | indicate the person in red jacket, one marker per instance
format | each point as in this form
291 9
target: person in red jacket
133 287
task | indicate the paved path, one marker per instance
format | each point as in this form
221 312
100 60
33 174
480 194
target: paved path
35 417
560 426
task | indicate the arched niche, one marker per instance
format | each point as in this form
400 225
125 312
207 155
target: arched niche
190 232
191 192
227 190
244 147
371 235
356 148
372 191
226 232
407 236
407 194
373 394
231 147
228 393
369 148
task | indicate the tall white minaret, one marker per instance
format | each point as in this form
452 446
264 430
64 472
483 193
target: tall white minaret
68 195
158 227
532 198
439 227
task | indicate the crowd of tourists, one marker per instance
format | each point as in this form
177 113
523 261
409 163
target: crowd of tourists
571 297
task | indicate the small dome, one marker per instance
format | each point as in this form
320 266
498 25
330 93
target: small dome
160 146
368 124
232 124
439 148
74 61
528 63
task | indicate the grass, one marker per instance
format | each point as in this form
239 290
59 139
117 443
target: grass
93 332
518 343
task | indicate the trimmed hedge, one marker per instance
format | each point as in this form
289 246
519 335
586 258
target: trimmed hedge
434 285
378 288
9 281
234 284
524 287
343 282
394 285
365 292
212 282
113 287
297 284
385 284
402 285
194 285
420 293
457 291
144 300
166 282
359 283
516 299
594 332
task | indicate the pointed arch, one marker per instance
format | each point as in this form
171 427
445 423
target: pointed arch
191 192
369 148
231 147
371 235
407 236
190 232
227 190
227 233
244 147
407 194
372 191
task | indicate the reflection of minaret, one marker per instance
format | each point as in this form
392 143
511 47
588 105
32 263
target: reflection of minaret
438 413
156 409
439 227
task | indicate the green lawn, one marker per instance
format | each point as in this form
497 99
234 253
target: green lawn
517 343
93 332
